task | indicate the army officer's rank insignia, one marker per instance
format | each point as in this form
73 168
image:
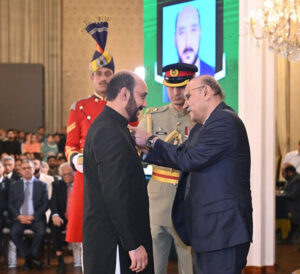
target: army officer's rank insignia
174 72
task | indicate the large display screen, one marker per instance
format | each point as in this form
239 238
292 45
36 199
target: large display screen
204 33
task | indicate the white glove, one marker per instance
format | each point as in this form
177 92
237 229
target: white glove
78 162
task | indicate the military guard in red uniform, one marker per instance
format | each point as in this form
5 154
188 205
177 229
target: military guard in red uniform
82 114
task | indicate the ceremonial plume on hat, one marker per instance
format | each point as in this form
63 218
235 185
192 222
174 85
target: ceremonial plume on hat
101 57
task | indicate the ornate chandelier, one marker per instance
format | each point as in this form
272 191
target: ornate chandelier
276 21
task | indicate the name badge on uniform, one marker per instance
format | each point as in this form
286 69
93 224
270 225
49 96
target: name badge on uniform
161 131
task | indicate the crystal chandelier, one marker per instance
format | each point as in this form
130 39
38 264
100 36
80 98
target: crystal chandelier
276 21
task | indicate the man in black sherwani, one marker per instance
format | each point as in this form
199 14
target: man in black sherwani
116 227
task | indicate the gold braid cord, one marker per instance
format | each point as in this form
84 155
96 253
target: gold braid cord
174 135
149 123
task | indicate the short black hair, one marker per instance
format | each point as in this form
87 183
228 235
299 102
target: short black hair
51 157
27 161
290 168
119 81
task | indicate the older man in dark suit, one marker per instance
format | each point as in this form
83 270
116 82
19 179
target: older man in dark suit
60 207
212 210
28 202
9 165
116 225
4 186
292 194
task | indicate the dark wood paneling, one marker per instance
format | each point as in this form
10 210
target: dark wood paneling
21 96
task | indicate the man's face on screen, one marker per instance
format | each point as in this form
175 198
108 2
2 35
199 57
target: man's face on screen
187 35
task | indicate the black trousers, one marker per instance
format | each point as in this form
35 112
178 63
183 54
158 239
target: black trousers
1 227
225 261
56 232
16 234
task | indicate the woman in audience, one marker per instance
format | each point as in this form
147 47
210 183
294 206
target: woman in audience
49 147
31 145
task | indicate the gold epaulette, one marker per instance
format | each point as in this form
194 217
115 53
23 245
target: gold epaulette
150 112
154 110
73 106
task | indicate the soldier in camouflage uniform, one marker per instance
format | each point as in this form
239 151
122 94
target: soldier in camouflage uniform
172 124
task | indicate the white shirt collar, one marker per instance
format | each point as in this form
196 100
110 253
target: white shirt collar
30 180
9 175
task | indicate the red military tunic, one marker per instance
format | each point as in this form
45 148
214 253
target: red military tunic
81 116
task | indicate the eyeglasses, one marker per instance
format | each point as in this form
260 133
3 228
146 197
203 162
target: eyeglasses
188 94
24 168
67 174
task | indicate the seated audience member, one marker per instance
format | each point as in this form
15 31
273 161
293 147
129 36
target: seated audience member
31 144
17 168
53 170
4 188
62 142
9 165
11 146
23 157
26 143
3 154
41 134
29 155
2 140
60 159
49 147
21 136
293 158
292 194
44 168
2 135
60 206
44 177
28 202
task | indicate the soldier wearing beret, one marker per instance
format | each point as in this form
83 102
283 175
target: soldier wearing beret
172 124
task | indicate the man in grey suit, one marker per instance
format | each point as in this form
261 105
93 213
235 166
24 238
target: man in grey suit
172 124
28 202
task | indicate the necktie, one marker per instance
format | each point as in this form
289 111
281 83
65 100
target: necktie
26 199
69 197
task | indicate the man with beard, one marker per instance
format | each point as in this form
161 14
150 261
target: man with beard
82 114
172 124
187 39
47 179
11 146
116 226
